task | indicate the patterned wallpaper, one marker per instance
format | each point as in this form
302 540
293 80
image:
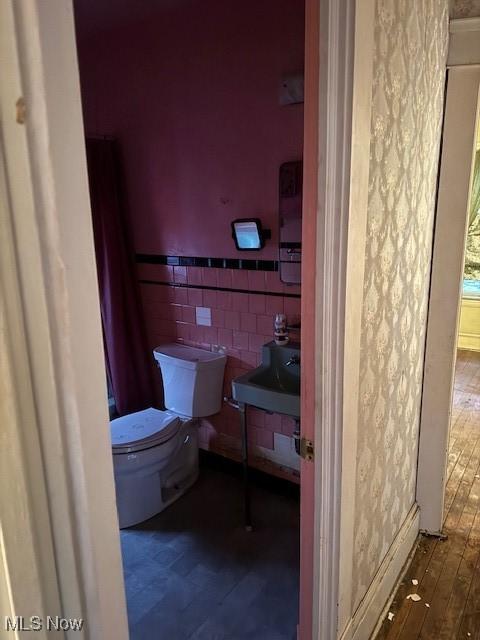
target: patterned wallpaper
466 9
408 85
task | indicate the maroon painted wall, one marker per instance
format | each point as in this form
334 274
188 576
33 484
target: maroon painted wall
191 93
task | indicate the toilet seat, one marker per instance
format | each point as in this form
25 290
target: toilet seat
142 430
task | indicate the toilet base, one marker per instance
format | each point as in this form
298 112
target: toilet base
149 481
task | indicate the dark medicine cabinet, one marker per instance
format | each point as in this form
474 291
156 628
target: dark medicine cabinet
290 218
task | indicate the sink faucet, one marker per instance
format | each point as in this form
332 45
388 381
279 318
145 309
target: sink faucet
292 360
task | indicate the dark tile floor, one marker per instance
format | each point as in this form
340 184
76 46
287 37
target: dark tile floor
194 572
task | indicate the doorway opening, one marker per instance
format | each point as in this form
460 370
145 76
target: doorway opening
444 572
196 110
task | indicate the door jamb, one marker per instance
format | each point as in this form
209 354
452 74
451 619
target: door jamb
459 135
47 209
335 205
463 54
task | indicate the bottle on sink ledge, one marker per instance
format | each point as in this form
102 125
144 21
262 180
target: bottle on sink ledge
280 329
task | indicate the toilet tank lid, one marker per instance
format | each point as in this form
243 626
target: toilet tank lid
188 357
143 427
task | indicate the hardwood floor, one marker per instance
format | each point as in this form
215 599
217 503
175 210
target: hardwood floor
448 572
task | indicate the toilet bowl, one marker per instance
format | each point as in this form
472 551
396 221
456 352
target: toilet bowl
155 453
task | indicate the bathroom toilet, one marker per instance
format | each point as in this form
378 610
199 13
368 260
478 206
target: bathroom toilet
155 453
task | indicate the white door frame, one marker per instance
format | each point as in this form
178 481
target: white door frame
59 524
459 136
346 72
59 449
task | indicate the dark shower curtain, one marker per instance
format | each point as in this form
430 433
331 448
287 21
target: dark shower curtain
126 354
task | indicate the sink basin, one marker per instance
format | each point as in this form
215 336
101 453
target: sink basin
274 385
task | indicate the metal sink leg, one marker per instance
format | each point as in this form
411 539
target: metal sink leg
242 410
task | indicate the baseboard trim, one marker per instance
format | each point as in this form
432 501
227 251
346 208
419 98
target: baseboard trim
469 341
369 615
258 477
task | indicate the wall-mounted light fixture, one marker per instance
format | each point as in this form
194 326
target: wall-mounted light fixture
249 235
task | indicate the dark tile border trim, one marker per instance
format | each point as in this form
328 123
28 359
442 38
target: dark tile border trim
200 286
290 245
218 263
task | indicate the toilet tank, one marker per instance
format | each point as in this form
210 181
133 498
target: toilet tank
192 379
